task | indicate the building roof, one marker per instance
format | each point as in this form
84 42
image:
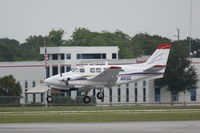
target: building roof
80 49
40 88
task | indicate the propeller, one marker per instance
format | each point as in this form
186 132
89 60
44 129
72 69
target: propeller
63 80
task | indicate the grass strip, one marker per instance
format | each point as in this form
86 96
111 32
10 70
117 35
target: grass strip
92 108
98 117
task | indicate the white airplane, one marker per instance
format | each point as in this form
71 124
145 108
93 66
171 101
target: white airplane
86 77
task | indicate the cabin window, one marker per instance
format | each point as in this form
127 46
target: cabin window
98 70
82 70
74 69
92 70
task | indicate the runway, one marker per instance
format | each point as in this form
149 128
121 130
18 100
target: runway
118 127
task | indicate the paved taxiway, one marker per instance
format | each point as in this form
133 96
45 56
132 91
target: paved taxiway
118 127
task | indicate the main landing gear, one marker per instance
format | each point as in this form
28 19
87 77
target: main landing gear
49 99
87 99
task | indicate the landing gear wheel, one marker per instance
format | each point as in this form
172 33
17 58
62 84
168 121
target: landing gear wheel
100 95
86 99
49 99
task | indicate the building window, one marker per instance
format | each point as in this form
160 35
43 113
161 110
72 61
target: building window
54 56
68 68
47 72
78 56
127 94
62 56
136 84
136 94
33 83
62 69
144 94
92 70
119 94
34 98
144 83
68 56
94 92
110 90
102 100
69 93
42 97
193 94
103 56
157 94
114 56
26 84
91 56
127 85
174 96
54 70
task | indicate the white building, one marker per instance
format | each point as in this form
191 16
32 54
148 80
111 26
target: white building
61 59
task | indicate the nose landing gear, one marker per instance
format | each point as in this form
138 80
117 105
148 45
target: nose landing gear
49 99
86 99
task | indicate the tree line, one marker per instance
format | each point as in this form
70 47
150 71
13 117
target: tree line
130 47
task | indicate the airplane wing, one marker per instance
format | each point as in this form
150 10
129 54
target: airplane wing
108 76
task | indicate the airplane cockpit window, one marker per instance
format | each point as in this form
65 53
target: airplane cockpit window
74 69
98 70
82 70
92 70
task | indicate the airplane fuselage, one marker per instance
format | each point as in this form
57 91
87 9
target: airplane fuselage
80 76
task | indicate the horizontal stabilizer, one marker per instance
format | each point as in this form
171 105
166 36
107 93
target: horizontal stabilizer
156 68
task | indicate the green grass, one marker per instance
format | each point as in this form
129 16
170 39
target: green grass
98 117
98 114
92 108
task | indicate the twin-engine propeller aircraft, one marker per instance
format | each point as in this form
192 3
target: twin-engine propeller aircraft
86 77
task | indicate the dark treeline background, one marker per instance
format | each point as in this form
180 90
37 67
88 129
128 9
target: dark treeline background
130 47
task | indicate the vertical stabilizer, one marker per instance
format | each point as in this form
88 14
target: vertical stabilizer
160 56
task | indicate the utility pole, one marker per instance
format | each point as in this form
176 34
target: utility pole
178 35
190 41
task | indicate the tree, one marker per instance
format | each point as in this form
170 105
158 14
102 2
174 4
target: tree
55 37
180 75
9 50
9 86
145 44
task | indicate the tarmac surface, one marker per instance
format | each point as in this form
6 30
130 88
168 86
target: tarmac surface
116 127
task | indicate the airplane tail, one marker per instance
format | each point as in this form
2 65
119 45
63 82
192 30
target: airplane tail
158 60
